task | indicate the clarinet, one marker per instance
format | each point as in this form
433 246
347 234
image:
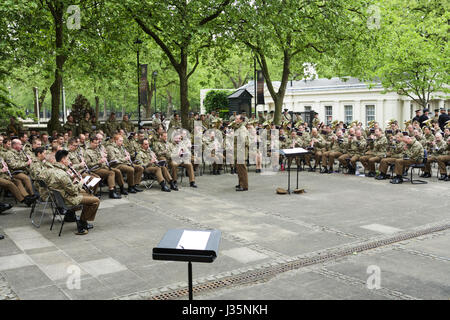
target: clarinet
78 178
81 158
105 156
128 155
7 169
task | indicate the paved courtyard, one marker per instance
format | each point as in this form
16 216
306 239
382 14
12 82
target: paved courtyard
347 237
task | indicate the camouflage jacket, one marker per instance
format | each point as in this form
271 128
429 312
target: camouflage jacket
61 181
415 151
439 149
356 147
116 153
111 127
145 157
74 157
85 126
128 126
72 127
380 146
162 149
93 157
41 170
16 160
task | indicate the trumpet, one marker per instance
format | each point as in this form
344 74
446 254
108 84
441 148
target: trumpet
6 166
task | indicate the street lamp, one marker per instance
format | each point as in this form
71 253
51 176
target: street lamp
138 42
154 74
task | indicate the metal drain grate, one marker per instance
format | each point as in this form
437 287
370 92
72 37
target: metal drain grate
267 273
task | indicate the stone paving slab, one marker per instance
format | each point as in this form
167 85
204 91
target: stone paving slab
259 229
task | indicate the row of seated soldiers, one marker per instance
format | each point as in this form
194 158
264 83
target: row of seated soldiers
69 166
371 146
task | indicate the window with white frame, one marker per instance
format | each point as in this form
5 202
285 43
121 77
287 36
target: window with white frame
328 114
348 113
370 113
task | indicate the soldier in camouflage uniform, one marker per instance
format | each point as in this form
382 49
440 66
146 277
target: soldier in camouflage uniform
15 186
414 155
378 152
442 160
116 152
71 192
70 125
41 170
19 162
438 148
97 163
156 122
147 158
126 125
394 152
175 123
111 126
14 127
85 124
315 144
356 146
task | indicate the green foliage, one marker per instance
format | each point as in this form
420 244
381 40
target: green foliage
8 109
216 99
80 107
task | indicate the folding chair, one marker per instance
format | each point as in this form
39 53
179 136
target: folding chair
40 201
149 177
419 166
61 209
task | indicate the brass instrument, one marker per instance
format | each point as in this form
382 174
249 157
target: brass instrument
7 169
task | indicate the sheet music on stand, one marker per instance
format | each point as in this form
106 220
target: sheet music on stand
293 151
93 182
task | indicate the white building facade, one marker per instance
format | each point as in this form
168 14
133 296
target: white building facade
334 99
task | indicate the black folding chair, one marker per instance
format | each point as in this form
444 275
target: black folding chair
40 201
419 166
149 180
61 209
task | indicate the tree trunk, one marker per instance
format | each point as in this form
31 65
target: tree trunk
184 100
169 101
104 110
55 89
148 107
97 106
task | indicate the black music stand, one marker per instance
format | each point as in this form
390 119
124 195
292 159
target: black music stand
292 153
201 246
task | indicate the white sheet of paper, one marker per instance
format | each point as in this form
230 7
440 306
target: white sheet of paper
194 240
93 182
294 150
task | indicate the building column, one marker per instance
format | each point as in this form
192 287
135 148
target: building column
379 111
358 112
406 114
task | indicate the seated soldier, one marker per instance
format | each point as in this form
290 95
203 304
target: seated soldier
438 147
98 164
13 185
316 144
19 163
147 158
413 155
116 152
335 149
442 161
72 192
378 152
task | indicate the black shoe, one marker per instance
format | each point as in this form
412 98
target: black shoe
397 180
82 227
381 176
123 191
131 190
173 186
137 189
311 169
241 189
164 186
371 174
405 174
426 175
5 206
114 195
192 184
443 177
2 237
89 226
29 200
324 170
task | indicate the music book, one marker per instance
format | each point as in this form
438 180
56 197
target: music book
193 240
294 151
93 182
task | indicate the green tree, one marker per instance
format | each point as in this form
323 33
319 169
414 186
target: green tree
294 31
216 99
410 51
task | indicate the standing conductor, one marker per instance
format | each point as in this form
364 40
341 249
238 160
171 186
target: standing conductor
240 144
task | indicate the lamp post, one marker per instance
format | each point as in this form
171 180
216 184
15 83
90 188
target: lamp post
154 74
138 42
